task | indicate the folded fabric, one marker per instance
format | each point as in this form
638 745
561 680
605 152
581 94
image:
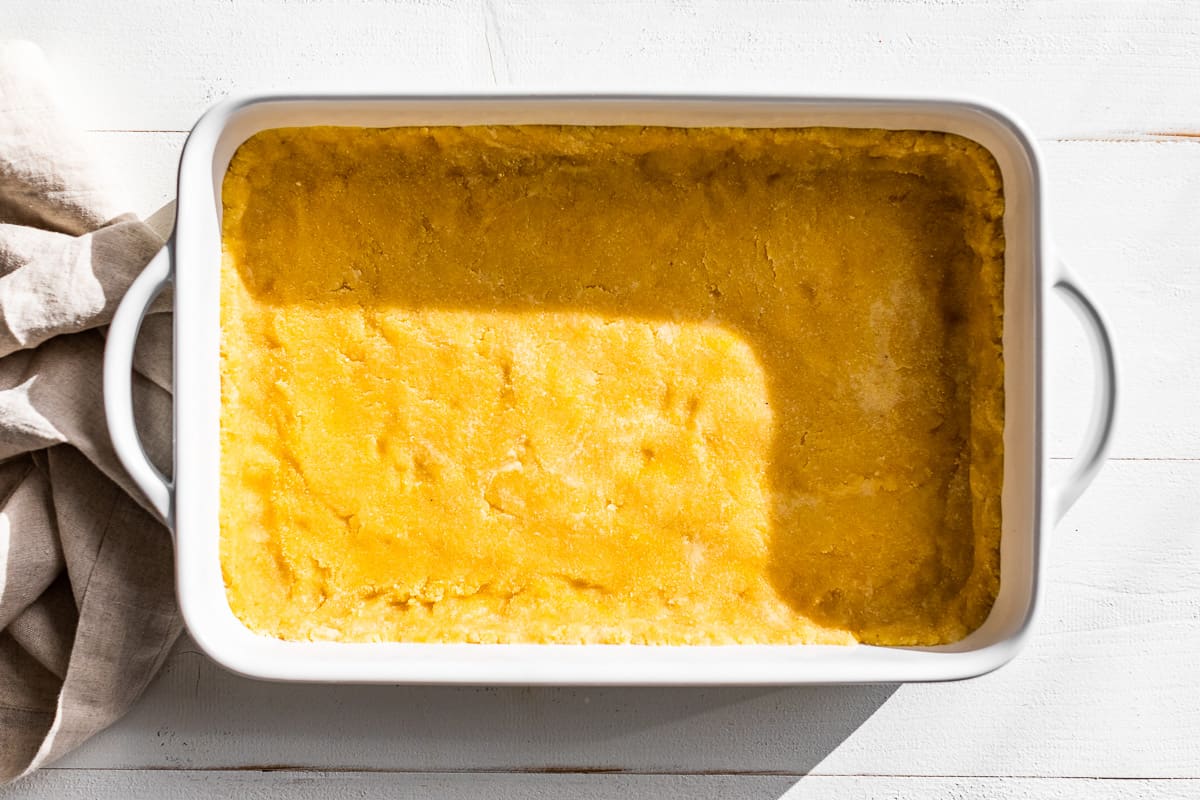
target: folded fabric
87 608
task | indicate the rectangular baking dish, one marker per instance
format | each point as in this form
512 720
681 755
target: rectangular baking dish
189 502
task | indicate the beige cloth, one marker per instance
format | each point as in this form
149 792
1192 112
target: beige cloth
87 608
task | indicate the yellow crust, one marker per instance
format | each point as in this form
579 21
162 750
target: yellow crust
611 384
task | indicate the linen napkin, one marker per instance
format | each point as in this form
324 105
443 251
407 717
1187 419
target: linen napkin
87 608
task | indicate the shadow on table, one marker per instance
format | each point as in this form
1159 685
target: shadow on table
196 714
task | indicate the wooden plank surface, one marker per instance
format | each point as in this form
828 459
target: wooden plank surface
255 785
1070 67
1110 685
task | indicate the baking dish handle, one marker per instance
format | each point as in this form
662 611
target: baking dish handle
1090 458
118 384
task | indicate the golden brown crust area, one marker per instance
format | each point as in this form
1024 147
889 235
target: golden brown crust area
611 384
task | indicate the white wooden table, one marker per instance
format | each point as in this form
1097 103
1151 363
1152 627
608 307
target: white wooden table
1104 703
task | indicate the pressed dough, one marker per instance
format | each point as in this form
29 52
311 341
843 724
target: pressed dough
611 384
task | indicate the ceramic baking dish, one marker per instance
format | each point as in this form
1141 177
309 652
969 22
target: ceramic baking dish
189 502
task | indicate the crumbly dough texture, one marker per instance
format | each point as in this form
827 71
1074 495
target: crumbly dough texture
611 385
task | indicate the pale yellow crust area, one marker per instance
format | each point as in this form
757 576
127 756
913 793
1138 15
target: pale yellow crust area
611 384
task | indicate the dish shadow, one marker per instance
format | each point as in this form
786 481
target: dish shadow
852 283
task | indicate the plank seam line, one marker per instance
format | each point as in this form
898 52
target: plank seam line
1147 137
137 130
1165 459
578 771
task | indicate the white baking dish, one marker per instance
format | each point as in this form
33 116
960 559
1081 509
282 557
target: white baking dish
190 503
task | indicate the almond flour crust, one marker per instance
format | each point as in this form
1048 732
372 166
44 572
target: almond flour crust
611 385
